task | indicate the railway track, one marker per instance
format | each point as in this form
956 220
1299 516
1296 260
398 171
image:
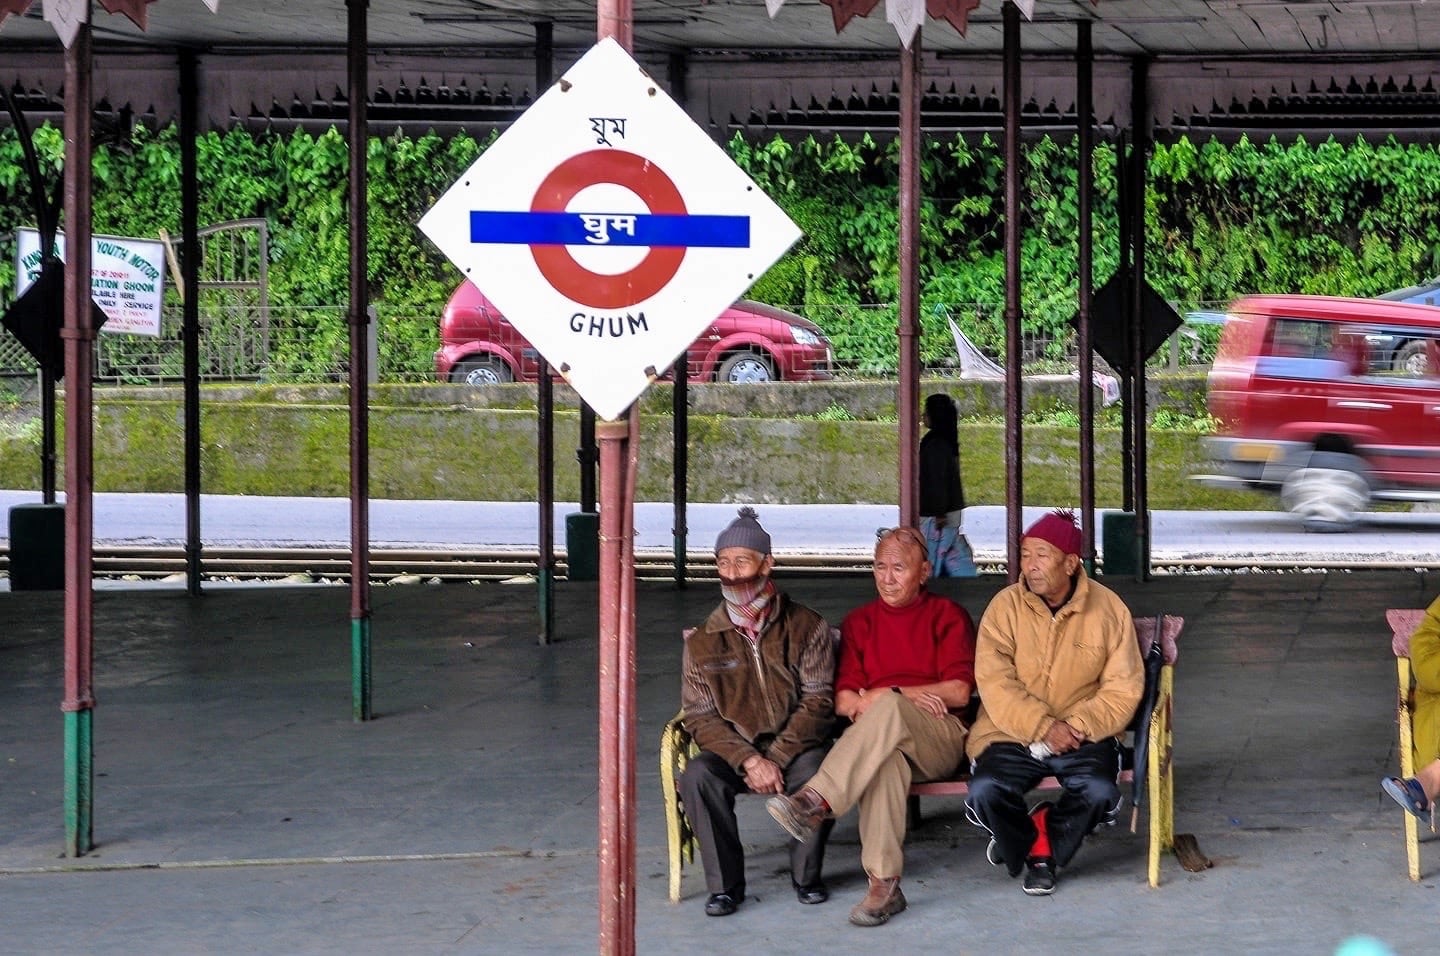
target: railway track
154 563
333 564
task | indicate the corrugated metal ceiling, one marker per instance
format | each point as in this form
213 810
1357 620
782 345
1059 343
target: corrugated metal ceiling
1166 28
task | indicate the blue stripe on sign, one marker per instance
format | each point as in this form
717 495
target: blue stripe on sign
609 229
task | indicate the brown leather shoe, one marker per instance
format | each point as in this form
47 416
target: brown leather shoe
800 814
883 901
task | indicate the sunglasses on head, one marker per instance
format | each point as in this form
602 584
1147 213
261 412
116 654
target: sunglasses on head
905 533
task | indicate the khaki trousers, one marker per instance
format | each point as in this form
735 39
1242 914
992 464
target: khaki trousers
872 765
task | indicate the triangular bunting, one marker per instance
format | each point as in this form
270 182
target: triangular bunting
66 16
17 7
843 11
954 12
134 9
905 16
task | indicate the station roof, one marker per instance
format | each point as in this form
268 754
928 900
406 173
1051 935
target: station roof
1218 67
1271 29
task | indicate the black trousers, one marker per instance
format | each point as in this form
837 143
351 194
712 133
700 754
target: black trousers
708 786
1005 772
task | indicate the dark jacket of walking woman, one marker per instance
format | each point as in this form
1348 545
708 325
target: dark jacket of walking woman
942 495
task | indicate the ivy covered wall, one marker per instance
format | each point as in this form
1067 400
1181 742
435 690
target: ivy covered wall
1339 218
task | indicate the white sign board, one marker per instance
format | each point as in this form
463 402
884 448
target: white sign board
127 278
608 228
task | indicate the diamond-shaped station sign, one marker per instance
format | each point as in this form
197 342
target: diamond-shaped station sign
608 228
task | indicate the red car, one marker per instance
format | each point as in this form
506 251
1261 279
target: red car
749 342
1306 411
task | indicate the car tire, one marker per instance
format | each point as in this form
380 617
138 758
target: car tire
1410 359
1326 494
745 368
486 371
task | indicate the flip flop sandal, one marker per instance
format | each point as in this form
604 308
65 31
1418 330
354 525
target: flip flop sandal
1407 792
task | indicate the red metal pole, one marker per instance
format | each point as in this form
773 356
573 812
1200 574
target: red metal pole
79 344
617 640
616 18
617 851
909 394
190 305
545 402
627 682
679 404
1014 440
1084 140
1140 126
359 320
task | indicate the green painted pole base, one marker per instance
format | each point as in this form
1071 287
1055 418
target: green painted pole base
79 783
546 581
360 668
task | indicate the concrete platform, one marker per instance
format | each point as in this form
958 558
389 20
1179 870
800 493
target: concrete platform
239 809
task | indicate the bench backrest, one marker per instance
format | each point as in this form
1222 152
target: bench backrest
1170 627
1403 622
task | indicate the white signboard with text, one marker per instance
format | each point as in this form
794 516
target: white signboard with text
127 278
608 228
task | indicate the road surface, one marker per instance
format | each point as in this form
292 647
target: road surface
237 521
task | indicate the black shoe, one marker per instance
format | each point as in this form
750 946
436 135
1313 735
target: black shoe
1039 876
811 893
722 904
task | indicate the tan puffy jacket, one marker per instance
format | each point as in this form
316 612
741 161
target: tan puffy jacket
1080 665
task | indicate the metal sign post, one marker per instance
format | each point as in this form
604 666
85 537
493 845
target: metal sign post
611 230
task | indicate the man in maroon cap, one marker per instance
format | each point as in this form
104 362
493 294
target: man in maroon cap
1059 675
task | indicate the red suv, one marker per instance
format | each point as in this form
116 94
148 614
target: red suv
749 342
1306 411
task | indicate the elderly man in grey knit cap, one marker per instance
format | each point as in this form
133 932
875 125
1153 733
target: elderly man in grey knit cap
758 696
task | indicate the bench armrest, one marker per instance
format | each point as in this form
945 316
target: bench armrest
676 749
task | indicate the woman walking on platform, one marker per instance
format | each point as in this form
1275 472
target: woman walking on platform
942 496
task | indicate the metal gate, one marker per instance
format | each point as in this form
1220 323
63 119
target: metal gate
234 304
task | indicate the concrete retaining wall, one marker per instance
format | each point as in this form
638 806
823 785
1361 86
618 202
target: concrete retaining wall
461 443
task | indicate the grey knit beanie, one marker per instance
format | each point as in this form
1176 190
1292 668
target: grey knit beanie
744 532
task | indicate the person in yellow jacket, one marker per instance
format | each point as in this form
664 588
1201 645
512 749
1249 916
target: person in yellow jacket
1419 792
1059 675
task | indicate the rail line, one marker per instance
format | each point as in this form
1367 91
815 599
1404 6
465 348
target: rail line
333 564
446 564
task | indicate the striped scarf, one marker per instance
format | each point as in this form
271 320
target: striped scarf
747 603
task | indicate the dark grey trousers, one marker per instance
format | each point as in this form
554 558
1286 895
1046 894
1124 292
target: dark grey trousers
1004 773
708 787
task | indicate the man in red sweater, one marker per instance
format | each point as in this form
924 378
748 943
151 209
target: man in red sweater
907 665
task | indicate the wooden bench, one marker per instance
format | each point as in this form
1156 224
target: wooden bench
1403 622
676 749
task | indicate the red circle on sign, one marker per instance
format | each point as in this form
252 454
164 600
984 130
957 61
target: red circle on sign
597 289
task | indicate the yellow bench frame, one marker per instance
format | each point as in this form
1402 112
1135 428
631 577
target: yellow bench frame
677 747
1403 622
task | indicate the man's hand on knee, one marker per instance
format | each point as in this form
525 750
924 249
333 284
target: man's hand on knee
929 702
763 775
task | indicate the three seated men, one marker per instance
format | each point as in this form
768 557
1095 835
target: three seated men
1059 675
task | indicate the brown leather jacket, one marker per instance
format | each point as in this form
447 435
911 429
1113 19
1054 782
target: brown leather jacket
775 698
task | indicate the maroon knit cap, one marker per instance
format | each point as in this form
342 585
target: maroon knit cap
1059 528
